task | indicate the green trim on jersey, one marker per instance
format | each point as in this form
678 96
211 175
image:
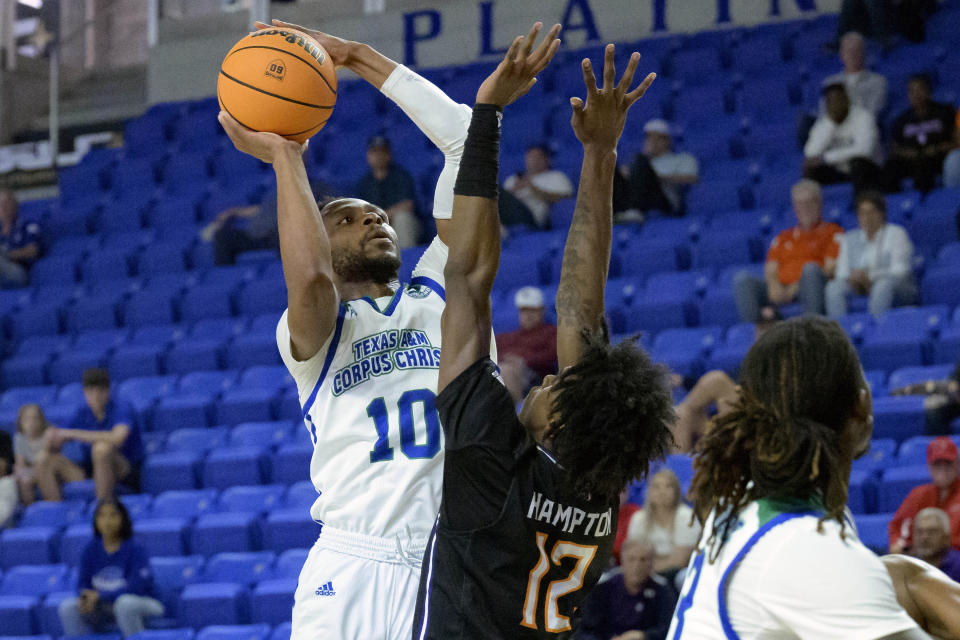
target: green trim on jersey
770 508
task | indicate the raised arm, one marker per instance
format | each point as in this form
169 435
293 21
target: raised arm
586 256
474 235
312 298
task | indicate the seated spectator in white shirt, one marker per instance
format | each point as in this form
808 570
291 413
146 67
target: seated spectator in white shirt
844 143
537 187
875 261
659 176
866 88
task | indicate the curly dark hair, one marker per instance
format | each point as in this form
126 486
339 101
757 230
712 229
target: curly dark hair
800 385
613 411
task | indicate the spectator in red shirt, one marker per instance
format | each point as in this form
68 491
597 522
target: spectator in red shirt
943 493
800 260
529 353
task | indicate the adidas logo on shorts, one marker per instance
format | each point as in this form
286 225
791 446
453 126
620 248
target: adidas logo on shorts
326 590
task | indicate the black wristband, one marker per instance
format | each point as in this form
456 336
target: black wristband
480 163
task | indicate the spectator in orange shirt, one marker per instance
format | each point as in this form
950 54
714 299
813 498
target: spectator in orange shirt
799 263
529 353
943 493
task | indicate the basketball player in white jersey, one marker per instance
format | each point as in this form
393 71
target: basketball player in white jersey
779 557
364 353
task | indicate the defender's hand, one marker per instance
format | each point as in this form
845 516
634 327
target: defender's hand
600 121
517 72
337 48
259 144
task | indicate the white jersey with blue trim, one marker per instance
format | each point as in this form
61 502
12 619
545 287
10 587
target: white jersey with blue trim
368 401
777 576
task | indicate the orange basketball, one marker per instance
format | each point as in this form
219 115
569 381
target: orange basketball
278 80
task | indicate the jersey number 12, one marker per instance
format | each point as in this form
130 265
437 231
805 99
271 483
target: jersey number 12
554 622
377 410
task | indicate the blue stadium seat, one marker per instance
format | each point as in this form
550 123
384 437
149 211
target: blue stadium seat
260 434
92 313
897 482
163 536
716 196
290 563
939 285
225 531
159 335
261 296
256 498
210 383
913 375
169 471
949 255
288 406
70 365
947 348
73 542
646 258
29 545
105 265
227 277
935 225
26 369
171 574
272 600
187 174
518 269
233 466
289 528
153 442
250 350
35 320
695 65
271 377
206 301
54 269
281 632
901 336
149 308
164 634
17 396
143 392
53 514
82 489
721 249
245 405
99 340
190 354
898 417
177 212
245 568
215 603
161 258
33 580
300 494
218 328
877 381
291 463
265 323
873 530
184 504
48 615
198 439
235 632
913 451
861 492
16 611
880 455
174 412
130 361
235 169
651 312
137 504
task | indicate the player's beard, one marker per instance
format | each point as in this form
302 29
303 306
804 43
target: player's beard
354 266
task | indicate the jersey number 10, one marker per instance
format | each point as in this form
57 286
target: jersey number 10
377 410
553 620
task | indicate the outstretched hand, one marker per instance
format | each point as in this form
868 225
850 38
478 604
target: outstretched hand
337 48
600 121
262 145
517 72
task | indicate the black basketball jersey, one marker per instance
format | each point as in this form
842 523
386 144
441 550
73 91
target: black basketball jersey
514 552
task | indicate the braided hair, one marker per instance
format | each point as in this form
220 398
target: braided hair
787 435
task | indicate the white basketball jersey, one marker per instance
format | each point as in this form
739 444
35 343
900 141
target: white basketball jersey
776 576
368 401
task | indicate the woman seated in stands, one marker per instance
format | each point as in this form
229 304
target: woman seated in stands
115 579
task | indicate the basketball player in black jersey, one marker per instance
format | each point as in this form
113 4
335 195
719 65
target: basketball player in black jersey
529 509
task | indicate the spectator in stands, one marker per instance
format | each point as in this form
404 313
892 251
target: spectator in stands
844 143
951 164
19 243
391 187
624 514
923 135
529 353
665 521
931 541
659 176
941 404
537 188
943 493
115 580
799 262
8 483
637 604
109 427
29 445
875 260
867 89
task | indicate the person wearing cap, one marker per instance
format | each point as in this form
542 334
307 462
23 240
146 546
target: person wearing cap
931 541
659 175
106 425
538 186
529 353
391 187
844 143
943 493
799 262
